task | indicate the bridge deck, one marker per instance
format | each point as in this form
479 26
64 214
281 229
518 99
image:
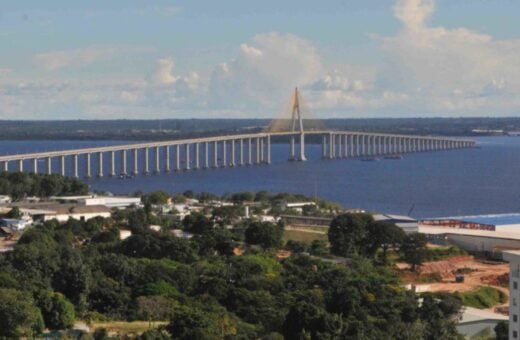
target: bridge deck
70 152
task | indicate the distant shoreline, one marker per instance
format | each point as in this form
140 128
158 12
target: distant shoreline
167 129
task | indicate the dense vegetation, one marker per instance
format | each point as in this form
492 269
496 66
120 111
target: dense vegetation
21 184
483 297
59 273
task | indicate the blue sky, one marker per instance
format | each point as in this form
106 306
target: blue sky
181 59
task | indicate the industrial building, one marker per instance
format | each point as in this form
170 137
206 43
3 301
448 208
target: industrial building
497 222
478 323
490 234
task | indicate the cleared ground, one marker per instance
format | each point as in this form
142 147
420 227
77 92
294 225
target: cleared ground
121 328
477 273
304 234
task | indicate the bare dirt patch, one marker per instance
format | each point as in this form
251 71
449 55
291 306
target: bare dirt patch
476 273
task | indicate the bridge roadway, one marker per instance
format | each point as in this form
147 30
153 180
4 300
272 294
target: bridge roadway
335 144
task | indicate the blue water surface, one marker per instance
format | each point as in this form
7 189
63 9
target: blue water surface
481 180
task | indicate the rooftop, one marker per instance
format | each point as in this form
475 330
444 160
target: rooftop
497 219
471 314
432 230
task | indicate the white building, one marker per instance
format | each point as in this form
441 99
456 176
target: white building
513 256
111 201
14 224
5 199
82 213
476 323
474 240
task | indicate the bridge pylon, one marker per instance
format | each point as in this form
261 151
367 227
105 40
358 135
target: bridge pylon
296 117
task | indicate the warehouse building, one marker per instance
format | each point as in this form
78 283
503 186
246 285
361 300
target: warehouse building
498 222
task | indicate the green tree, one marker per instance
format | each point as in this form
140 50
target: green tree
318 248
73 278
304 317
58 313
438 316
347 234
296 246
502 330
227 214
138 220
414 249
264 234
156 197
14 213
197 223
191 323
155 308
154 334
19 317
384 235
242 197
155 246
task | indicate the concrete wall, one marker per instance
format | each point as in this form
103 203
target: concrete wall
482 243
510 228
477 328
85 216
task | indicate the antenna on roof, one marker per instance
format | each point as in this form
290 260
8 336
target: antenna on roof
411 209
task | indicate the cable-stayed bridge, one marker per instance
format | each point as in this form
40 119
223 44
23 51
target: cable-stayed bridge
225 151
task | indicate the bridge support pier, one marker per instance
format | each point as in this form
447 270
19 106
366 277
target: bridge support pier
157 160
292 156
302 148
35 165
167 158
268 139
339 146
197 164
261 150
100 164
257 150
187 154
20 165
324 147
224 154
345 146
123 163
62 165
75 166
6 166
215 154
232 164
87 165
146 161
177 157
136 162
49 165
112 164
206 155
331 146
250 151
241 151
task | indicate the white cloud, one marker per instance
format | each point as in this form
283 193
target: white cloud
449 69
264 73
73 58
163 74
426 70
414 13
